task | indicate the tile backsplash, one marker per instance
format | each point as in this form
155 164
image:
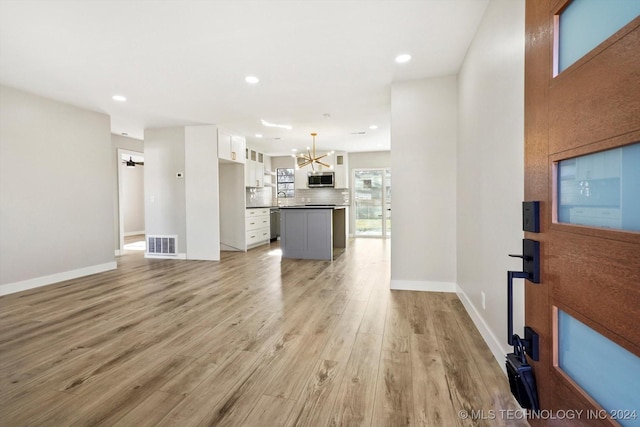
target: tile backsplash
329 196
264 196
259 197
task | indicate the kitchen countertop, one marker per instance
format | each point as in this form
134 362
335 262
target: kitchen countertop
314 207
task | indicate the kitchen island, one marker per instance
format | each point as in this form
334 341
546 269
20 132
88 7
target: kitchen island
312 232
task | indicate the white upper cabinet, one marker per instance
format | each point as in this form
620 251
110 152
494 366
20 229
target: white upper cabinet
341 168
254 168
230 147
237 148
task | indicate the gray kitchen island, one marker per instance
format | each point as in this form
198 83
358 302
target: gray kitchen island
312 232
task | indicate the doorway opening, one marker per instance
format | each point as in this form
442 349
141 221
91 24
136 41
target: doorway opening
372 202
131 226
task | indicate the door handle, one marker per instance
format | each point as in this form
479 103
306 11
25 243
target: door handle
530 260
530 271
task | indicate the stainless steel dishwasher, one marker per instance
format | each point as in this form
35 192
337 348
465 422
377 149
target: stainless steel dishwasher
275 223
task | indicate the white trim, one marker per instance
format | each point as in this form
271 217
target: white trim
423 285
492 341
118 252
133 233
176 256
37 282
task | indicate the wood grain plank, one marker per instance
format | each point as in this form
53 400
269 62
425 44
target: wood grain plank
394 394
341 340
374 318
314 404
291 379
433 406
151 411
464 384
269 410
354 404
399 322
197 405
241 399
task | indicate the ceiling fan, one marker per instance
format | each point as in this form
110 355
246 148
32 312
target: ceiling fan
131 164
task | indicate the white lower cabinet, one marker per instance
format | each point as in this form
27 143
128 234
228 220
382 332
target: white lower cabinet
257 226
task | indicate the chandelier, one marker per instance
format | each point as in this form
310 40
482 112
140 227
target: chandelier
310 158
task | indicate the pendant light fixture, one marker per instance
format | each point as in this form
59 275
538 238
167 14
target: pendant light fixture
310 158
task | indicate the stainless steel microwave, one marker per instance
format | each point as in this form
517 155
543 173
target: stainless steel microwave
321 179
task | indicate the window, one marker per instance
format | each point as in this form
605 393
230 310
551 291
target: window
286 182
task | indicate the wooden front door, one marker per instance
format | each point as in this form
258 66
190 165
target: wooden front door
590 272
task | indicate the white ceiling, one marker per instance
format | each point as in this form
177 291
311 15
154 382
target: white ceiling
184 62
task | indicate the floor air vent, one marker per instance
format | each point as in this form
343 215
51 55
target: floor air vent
162 245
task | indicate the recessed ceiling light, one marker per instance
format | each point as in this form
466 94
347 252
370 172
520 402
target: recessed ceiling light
258 135
274 125
251 80
373 127
119 98
401 59
295 150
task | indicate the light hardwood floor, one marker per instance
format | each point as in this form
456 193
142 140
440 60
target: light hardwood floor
250 341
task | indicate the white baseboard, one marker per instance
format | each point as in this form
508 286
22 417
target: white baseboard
420 285
37 282
489 337
133 233
178 256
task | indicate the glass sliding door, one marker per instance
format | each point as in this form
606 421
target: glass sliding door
387 202
372 202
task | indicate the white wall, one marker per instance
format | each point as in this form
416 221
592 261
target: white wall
369 160
285 162
423 164
165 212
491 169
56 191
232 206
201 193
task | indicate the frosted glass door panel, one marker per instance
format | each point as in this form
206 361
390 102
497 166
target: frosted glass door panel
606 371
584 24
601 189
